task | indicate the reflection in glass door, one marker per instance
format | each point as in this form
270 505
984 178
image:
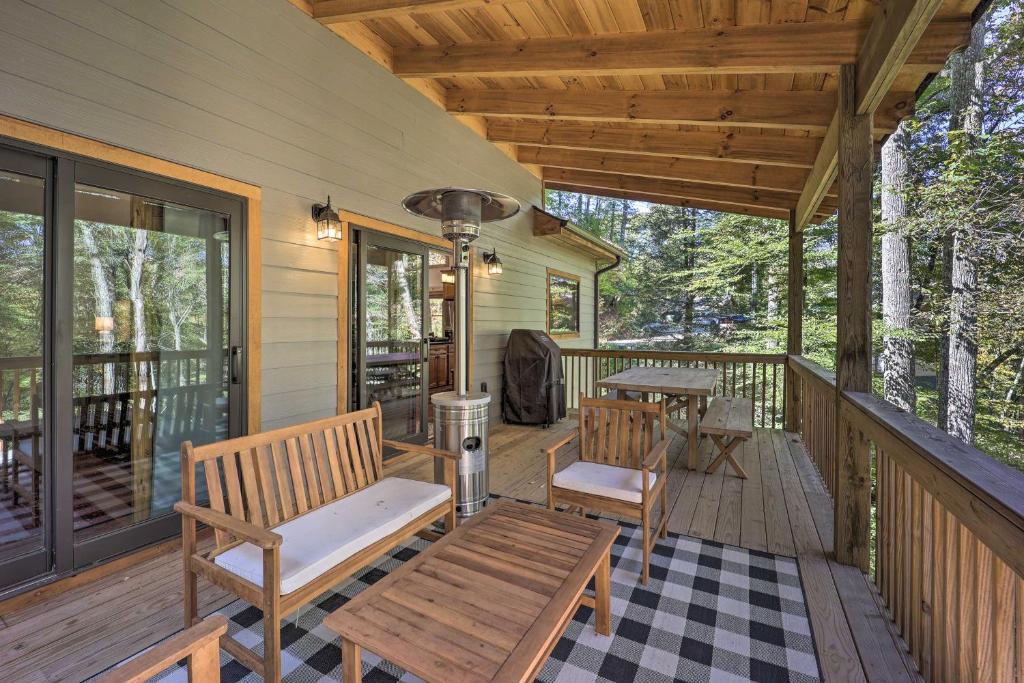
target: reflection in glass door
394 333
121 325
24 471
153 353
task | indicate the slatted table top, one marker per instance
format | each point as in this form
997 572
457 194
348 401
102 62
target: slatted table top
673 381
487 601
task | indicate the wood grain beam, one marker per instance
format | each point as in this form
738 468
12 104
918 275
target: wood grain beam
341 11
673 188
693 144
697 170
811 47
705 205
894 35
802 110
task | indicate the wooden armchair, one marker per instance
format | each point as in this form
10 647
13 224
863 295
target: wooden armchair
200 644
622 466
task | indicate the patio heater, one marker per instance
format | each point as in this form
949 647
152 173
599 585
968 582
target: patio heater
460 417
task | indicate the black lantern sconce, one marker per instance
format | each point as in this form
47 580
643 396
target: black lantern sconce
493 262
328 224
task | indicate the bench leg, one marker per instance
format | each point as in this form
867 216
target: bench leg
271 616
725 455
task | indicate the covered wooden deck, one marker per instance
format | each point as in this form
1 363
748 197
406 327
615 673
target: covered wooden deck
100 618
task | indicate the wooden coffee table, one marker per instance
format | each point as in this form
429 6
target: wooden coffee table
489 601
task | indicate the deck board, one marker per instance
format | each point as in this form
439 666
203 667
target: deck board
782 507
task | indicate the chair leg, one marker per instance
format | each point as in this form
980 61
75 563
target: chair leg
645 574
271 616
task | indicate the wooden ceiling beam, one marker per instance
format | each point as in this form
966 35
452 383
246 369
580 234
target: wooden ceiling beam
696 170
802 110
811 47
892 38
778 150
674 188
762 212
341 11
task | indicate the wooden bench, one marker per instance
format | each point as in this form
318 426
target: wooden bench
297 510
200 644
729 422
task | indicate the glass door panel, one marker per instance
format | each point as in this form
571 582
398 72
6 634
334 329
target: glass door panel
24 471
151 306
395 335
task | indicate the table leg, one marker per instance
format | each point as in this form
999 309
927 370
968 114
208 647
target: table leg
351 662
602 595
691 419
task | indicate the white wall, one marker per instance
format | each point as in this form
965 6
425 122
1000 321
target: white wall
257 91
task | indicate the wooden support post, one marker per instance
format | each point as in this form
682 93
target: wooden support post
794 328
853 367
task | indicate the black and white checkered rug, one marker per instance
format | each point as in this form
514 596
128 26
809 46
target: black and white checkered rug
711 612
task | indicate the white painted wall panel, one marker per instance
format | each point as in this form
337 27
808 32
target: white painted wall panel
255 90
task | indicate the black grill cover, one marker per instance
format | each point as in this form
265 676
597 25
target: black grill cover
533 391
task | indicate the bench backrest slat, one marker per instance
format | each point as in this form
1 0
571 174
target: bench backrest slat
268 478
615 432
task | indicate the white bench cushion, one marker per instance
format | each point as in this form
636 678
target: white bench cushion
610 481
318 540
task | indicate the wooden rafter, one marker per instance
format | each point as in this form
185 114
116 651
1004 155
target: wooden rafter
697 170
341 11
811 47
694 144
707 205
801 110
891 39
674 188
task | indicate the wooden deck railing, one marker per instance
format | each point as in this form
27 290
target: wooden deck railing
949 533
21 377
817 419
759 376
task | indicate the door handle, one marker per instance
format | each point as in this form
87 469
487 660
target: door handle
236 364
426 349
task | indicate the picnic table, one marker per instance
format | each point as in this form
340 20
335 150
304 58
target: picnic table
682 388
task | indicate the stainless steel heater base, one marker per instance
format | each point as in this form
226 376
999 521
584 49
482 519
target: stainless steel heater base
460 426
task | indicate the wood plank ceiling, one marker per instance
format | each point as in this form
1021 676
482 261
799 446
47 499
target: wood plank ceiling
715 104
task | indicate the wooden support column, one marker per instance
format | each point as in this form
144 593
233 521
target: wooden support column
794 328
853 366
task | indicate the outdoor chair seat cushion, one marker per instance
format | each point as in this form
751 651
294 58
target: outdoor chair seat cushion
315 542
610 481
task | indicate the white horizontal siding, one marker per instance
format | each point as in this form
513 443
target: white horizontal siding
255 90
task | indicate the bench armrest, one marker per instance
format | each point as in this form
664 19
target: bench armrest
420 448
557 442
656 455
237 528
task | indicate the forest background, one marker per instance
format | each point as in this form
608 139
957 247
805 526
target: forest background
948 266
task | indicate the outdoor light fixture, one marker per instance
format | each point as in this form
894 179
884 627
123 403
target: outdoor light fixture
328 225
493 262
448 277
105 324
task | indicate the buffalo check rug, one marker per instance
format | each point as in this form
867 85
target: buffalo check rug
711 612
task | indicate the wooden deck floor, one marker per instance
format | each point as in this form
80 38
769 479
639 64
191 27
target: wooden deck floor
781 508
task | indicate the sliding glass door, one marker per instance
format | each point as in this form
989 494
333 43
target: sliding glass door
121 316
392 332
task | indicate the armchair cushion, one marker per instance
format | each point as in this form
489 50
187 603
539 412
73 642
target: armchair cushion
610 481
315 542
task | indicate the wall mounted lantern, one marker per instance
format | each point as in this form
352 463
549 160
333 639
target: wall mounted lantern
493 262
448 277
328 225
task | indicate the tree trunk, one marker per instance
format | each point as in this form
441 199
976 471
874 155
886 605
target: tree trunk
625 221
897 345
137 297
104 302
967 71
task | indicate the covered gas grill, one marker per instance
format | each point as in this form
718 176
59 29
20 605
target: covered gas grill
533 390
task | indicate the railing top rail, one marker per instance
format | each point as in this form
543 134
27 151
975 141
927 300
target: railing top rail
678 355
811 370
26 362
981 481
